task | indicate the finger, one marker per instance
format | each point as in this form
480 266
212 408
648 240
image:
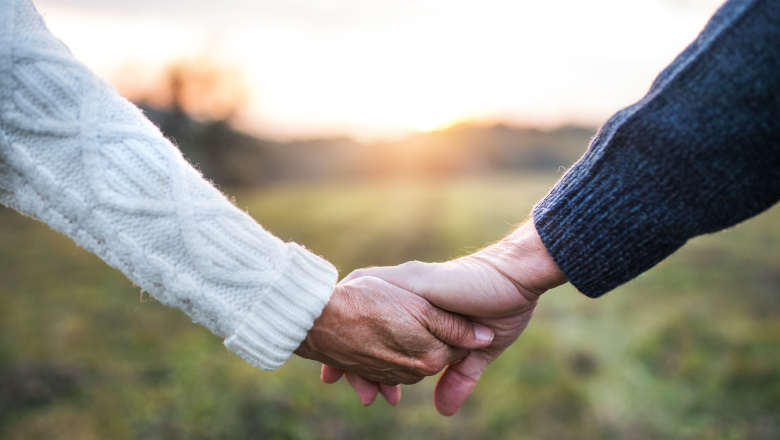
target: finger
365 389
330 374
391 393
456 384
352 275
394 275
456 330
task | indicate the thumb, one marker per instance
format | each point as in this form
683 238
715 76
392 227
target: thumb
456 330
457 382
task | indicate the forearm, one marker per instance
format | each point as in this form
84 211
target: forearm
82 159
699 153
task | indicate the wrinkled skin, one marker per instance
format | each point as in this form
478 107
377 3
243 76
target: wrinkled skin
388 335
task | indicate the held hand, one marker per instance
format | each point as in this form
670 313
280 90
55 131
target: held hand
388 335
497 287
458 380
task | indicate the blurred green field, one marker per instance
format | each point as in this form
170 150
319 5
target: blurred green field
690 350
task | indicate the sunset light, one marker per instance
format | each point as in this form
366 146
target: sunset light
379 68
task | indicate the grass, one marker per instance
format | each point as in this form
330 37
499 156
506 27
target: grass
689 350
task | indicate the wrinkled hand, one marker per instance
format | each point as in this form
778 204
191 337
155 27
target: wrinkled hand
388 335
498 287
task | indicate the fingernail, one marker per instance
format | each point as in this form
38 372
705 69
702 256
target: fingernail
483 333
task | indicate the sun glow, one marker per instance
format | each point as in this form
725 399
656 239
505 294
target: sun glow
376 68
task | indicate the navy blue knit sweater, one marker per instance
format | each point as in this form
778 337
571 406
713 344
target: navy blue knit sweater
699 153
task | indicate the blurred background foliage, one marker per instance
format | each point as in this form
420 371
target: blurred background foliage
689 350
194 101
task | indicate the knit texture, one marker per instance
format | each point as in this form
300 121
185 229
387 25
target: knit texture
77 156
699 153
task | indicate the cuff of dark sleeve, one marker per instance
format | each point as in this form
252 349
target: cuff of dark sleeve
603 231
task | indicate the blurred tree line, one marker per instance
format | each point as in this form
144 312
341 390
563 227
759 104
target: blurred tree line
195 101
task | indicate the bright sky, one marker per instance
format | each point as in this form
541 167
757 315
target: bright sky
379 68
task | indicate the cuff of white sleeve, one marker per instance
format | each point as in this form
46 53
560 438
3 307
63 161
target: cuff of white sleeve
278 323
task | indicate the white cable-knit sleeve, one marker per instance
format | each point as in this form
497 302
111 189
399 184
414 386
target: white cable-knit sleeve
77 156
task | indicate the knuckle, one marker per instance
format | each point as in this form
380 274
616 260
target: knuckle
438 361
429 366
413 267
420 310
417 368
420 306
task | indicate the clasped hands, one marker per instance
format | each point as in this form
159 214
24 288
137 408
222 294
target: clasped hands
386 326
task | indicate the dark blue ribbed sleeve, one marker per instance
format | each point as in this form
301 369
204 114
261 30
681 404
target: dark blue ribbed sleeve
699 153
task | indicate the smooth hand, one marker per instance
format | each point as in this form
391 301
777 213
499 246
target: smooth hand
387 335
498 287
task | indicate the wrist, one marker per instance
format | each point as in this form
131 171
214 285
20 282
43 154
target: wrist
310 346
523 258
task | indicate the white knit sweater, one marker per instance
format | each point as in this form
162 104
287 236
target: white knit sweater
77 156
